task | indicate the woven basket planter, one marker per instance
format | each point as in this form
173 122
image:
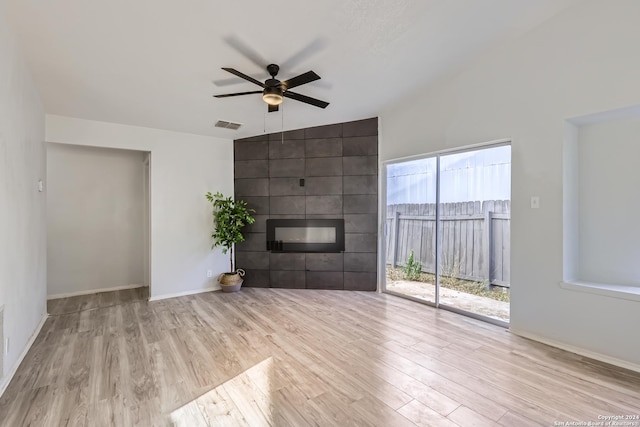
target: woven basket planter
231 282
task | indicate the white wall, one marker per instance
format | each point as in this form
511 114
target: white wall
582 61
95 223
22 207
183 168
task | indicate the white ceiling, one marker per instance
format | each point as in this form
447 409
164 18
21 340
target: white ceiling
156 63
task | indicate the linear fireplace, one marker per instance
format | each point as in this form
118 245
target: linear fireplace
305 235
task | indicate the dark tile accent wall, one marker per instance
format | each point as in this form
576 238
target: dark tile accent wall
339 165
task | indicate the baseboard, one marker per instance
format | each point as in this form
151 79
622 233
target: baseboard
93 291
577 350
7 379
185 293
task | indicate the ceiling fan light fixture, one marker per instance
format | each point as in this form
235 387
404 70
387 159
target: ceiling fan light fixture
272 96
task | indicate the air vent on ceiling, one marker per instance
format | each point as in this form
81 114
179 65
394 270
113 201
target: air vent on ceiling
227 125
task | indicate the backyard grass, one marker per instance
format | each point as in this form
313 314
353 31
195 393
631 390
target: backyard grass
467 286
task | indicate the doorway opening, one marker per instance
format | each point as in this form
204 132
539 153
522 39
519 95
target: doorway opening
98 222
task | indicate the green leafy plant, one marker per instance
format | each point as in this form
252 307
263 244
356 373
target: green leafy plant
229 216
412 269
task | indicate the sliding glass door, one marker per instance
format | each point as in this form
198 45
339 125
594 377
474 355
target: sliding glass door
411 228
448 230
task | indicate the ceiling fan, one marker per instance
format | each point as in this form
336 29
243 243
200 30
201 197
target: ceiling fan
274 90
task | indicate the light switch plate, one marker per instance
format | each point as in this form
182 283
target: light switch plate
535 202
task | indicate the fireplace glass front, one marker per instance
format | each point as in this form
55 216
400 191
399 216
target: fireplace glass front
305 235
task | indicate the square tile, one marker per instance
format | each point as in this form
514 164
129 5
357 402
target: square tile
323 185
360 281
253 242
324 166
360 203
250 150
286 187
361 223
360 165
256 279
287 149
360 184
361 262
251 169
366 127
360 146
328 131
251 187
252 260
325 280
361 242
323 205
324 262
287 279
287 261
259 204
323 147
287 205
259 226
287 168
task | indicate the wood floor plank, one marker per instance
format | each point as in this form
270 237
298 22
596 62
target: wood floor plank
280 357
464 416
251 401
513 419
188 415
218 409
423 416
375 412
329 409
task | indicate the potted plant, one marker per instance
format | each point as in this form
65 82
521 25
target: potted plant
229 216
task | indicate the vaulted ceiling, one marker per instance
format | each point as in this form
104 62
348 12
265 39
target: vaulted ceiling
158 63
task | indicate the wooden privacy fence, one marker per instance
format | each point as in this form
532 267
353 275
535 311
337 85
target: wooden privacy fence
475 238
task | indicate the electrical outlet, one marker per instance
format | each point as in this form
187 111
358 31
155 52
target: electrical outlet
6 346
209 273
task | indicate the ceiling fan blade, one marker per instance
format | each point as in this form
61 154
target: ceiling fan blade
272 108
245 50
302 79
226 95
244 76
228 81
304 53
306 99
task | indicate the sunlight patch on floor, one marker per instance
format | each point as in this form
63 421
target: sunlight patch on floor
242 400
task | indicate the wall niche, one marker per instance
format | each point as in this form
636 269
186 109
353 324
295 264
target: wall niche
601 201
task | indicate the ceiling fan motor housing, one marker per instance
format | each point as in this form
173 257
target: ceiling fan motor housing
272 90
273 83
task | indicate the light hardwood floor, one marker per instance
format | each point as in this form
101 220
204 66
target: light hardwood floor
93 301
300 357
